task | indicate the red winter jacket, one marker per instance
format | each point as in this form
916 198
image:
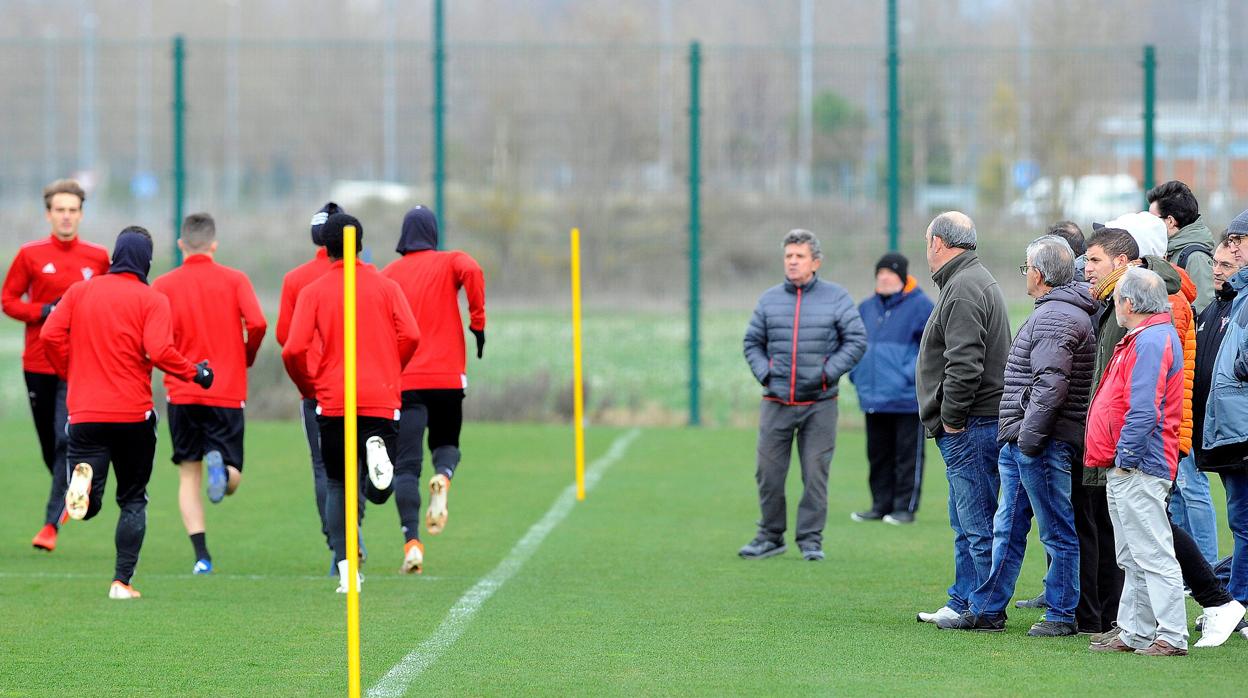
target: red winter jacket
294 282
42 271
386 336
1134 419
431 281
103 337
216 316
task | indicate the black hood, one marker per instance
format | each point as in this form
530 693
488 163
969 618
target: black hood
132 253
420 231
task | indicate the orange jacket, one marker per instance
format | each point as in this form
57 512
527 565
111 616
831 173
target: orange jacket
1184 322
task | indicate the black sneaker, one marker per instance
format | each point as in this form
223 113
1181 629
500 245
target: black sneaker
1052 628
1037 602
969 621
760 548
812 553
871 515
899 518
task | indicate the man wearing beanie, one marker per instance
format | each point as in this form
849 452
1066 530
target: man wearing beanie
292 284
894 317
103 338
804 335
434 380
386 336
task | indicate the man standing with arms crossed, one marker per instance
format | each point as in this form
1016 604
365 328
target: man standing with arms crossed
434 380
804 335
40 274
104 337
387 336
959 380
215 315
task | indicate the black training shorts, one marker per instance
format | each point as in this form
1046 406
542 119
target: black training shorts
197 429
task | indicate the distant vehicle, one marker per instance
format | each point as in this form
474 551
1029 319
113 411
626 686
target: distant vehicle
352 193
1088 199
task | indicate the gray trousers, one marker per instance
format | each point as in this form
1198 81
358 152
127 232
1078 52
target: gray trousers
1152 606
815 428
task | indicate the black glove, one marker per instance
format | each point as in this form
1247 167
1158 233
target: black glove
480 335
203 374
45 311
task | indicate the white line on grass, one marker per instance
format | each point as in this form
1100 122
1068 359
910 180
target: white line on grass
220 575
400 677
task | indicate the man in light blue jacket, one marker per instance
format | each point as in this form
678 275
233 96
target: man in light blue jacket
804 335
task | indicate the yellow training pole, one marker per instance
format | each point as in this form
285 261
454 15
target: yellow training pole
351 461
578 381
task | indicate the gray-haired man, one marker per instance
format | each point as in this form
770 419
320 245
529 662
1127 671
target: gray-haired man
805 334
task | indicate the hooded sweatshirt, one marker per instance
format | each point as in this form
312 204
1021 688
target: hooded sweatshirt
1199 264
430 280
107 333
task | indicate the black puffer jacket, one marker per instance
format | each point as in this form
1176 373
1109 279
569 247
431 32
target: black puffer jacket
1048 375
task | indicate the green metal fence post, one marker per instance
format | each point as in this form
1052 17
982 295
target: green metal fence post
1150 114
439 113
894 131
695 229
179 142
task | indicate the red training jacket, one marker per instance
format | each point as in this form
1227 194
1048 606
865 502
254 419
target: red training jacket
386 336
294 282
100 338
1134 419
42 271
431 281
216 316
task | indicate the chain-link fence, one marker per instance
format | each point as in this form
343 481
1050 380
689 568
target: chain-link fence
540 138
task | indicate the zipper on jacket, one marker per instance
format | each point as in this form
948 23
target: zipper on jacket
797 321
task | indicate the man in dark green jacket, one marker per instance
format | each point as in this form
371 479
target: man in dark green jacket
959 379
1190 242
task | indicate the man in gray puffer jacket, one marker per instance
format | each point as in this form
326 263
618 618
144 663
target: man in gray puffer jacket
805 334
1048 384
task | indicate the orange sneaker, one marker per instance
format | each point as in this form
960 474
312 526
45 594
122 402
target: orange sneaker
435 518
45 539
413 557
122 591
78 494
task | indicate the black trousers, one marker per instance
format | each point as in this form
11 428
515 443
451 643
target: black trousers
130 447
1100 578
47 406
895 451
333 445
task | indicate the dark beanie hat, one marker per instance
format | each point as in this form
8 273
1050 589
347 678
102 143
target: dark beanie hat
895 263
1239 226
318 221
332 233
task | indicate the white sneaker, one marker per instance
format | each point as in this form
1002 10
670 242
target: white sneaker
343 571
945 613
380 469
1220 622
78 493
435 517
122 591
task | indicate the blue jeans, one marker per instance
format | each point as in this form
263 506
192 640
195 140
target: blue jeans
971 466
1040 485
1236 485
1191 508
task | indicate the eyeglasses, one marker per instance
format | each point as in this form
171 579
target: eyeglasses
1024 268
1235 240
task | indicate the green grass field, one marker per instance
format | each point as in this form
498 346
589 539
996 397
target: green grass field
637 591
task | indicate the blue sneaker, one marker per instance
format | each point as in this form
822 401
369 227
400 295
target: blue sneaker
202 567
217 478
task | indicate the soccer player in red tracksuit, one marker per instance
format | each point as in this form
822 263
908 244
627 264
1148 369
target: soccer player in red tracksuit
387 336
215 315
294 282
434 380
103 338
38 277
